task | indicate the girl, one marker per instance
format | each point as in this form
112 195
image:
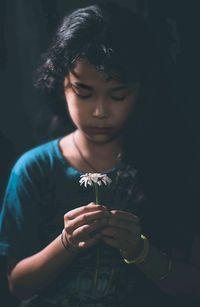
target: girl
62 248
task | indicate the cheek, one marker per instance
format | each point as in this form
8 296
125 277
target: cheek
71 104
73 112
76 111
125 111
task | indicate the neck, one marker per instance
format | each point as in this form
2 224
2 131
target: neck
100 149
101 155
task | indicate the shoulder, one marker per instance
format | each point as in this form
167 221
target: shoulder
38 159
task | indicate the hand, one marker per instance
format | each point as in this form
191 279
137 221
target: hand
83 225
123 232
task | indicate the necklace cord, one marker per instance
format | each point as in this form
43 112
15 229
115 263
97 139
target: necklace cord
81 155
84 159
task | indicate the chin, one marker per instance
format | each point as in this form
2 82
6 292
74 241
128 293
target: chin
103 138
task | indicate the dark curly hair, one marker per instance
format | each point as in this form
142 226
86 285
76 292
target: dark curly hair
111 37
116 41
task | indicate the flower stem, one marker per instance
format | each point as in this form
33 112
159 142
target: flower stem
98 251
97 267
96 193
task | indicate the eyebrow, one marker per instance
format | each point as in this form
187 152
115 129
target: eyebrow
90 88
119 88
82 85
87 87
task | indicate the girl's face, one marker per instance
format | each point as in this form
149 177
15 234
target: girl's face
98 105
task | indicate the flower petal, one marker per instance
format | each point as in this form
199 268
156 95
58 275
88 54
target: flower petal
94 178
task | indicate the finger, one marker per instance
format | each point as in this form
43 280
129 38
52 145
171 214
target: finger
90 241
122 224
110 241
123 219
87 218
84 209
122 240
121 234
118 214
84 231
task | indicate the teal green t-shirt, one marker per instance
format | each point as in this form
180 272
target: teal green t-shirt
43 186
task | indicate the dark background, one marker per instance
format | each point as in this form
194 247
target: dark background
26 28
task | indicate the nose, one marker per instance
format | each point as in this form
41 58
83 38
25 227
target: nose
100 110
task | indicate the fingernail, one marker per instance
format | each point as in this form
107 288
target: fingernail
105 208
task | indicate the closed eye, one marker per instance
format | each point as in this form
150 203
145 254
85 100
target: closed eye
120 94
118 98
83 92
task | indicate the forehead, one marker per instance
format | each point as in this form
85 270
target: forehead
86 72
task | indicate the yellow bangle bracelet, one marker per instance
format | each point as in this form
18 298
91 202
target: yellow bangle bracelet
143 254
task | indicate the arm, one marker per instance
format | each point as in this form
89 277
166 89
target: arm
32 274
181 278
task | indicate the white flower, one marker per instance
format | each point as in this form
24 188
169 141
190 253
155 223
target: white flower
94 179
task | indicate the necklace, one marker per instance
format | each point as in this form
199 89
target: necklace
84 159
81 155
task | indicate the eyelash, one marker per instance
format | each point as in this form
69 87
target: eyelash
89 96
74 89
119 98
84 97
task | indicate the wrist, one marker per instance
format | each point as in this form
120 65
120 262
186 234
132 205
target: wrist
67 244
142 252
158 265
